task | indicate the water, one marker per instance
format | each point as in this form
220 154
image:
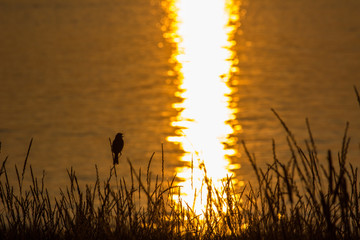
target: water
73 73
301 58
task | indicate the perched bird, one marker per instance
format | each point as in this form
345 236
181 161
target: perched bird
117 146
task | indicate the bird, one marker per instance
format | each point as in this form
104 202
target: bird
116 147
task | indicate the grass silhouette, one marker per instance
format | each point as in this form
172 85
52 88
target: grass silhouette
303 197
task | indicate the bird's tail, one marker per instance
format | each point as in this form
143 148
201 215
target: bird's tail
116 159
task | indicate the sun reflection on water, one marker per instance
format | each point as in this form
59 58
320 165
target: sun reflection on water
202 33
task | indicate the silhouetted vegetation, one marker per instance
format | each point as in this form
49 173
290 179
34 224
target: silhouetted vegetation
303 197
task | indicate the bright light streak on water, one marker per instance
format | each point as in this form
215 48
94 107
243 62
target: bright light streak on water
202 34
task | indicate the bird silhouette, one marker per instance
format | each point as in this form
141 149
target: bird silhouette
116 147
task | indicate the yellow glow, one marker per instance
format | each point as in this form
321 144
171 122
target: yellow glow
202 31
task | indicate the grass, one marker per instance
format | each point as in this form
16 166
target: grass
303 197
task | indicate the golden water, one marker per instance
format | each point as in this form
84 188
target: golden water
198 76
